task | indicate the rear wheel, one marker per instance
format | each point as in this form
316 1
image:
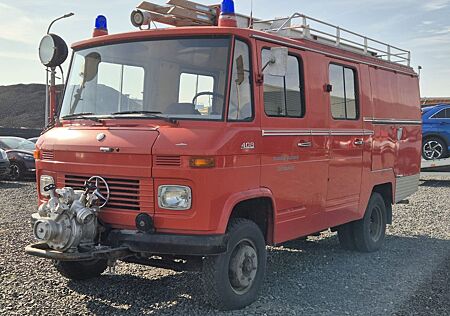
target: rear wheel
233 279
81 270
369 232
434 148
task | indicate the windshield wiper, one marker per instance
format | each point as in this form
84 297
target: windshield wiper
82 116
152 114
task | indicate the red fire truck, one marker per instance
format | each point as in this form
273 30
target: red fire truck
195 146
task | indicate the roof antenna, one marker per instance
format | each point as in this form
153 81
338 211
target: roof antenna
251 15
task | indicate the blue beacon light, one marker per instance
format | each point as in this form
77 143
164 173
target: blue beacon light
101 26
227 15
228 7
101 22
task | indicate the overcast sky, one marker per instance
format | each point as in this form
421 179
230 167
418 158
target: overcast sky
422 26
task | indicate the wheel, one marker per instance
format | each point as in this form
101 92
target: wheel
369 232
15 171
81 270
232 280
346 236
434 148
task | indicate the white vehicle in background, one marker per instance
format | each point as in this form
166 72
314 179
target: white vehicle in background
4 164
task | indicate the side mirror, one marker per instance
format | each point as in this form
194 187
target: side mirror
53 51
240 70
91 63
277 63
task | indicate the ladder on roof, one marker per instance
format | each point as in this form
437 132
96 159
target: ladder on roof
187 13
181 13
326 33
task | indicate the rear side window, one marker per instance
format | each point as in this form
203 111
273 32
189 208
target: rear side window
343 97
283 96
443 114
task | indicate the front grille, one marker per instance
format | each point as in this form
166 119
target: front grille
125 194
168 160
47 155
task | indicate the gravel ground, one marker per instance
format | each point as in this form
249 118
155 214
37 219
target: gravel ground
410 276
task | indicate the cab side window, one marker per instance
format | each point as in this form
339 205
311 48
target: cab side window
343 97
283 96
241 108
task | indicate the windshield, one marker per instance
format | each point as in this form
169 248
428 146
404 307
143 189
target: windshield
176 78
17 143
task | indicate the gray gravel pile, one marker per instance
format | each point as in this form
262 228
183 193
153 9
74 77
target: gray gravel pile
410 276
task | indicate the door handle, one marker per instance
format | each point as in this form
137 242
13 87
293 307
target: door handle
304 144
359 142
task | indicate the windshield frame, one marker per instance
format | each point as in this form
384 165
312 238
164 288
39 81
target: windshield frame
229 37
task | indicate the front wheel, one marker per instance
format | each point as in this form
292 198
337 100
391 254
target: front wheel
81 270
232 280
15 172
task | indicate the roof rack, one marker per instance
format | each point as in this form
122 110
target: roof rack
189 13
326 33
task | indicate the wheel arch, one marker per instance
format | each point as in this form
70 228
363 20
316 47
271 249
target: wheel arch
387 193
435 135
256 205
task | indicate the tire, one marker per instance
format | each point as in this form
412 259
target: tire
346 237
81 270
232 280
369 232
434 148
15 172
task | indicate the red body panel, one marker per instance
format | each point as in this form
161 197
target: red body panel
311 189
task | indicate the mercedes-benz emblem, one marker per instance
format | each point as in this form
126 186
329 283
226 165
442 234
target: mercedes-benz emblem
94 184
101 137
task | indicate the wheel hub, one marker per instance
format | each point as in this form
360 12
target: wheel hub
243 267
432 149
376 224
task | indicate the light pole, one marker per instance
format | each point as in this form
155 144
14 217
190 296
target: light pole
52 74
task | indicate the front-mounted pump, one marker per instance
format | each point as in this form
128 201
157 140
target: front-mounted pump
68 220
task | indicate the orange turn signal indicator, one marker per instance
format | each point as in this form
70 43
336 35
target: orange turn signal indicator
37 154
202 162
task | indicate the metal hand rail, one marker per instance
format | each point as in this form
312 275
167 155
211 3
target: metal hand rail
363 44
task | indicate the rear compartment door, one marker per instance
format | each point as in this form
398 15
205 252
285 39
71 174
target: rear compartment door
347 139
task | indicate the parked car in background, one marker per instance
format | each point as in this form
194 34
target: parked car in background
20 155
4 164
33 139
436 132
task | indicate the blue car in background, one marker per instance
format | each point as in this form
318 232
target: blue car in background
436 132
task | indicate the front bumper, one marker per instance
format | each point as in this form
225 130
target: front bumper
30 166
123 244
169 244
